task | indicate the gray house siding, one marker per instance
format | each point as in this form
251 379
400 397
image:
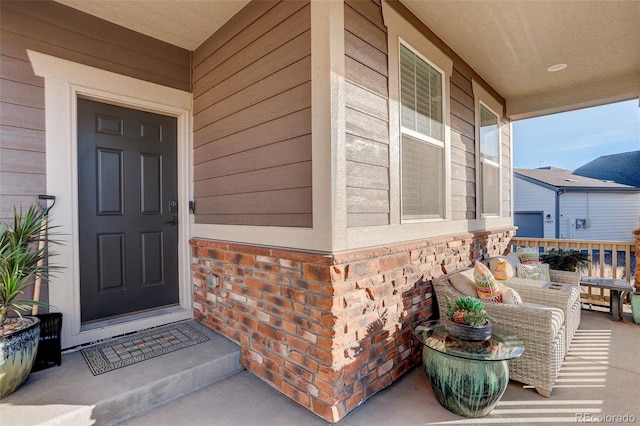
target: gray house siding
252 118
58 30
367 114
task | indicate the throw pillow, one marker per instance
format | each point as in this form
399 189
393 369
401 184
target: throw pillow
464 282
500 268
538 271
509 295
486 285
528 255
513 259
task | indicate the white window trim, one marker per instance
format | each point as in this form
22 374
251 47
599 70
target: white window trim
483 98
423 138
402 32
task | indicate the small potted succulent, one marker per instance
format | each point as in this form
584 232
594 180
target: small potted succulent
467 319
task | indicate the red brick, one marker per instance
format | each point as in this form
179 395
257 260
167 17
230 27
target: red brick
288 263
265 287
397 261
324 331
296 394
315 287
322 355
270 332
315 272
216 254
273 360
323 386
266 259
323 303
253 356
314 314
278 301
299 371
289 327
307 335
271 277
330 374
354 400
294 294
240 259
329 412
362 269
381 291
337 273
305 361
265 374
296 343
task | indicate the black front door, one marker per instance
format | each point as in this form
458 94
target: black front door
127 210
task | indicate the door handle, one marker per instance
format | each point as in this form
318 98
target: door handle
173 208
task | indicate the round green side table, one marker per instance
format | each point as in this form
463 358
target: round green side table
467 377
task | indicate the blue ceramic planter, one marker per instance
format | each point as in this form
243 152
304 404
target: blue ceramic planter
17 355
635 306
465 387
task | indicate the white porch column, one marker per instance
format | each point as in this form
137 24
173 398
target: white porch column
328 123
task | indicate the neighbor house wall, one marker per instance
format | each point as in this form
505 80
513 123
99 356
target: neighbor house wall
611 215
328 330
531 197
57 30
252 118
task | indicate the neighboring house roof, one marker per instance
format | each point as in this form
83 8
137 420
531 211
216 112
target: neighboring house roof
560 179
621 168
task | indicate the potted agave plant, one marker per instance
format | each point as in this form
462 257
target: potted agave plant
23 254
467 319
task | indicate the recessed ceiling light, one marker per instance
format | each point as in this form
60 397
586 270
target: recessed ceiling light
556 67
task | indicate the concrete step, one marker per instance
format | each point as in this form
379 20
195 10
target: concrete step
71 395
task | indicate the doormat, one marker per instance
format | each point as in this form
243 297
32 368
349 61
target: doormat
140 346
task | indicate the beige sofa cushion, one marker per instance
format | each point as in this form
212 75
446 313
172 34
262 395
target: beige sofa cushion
464 282
557 317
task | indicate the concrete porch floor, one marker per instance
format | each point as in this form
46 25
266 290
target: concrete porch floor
600 377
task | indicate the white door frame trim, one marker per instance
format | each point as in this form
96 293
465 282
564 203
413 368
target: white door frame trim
65 81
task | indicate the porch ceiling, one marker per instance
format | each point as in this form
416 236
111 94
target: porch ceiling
510 43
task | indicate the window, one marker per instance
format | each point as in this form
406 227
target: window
489 161
422 137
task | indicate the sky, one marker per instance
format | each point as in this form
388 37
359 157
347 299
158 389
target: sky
572 139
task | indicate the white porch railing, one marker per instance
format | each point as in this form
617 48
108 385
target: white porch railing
608 259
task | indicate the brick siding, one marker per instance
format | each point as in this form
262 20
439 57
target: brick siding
328 330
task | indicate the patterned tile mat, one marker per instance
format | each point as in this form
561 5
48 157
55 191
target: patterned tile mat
140 346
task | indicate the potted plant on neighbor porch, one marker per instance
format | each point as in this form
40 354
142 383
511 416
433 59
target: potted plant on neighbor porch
564 265
23 253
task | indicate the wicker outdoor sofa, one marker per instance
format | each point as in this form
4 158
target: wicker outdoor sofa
540 321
